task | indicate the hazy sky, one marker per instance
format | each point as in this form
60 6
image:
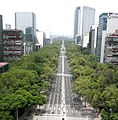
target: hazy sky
56 16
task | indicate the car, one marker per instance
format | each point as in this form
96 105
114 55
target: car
52 112
35 113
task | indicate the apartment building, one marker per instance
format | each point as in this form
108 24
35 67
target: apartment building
1 41
111 48
13 44
108 23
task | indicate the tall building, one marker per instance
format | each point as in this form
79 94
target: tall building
92 39
13 44
1 40
111 48
84 19
41 36
76 22
25 21
101 27
108 23
28 34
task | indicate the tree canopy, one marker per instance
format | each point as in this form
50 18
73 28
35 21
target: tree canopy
96 83
21 87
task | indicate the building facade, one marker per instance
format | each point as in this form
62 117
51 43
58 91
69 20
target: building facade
84 19
29 34
108 23
26 21
77 22
1 40
13 44
92 39
111 48
41 36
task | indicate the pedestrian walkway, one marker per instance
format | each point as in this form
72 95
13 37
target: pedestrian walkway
59 118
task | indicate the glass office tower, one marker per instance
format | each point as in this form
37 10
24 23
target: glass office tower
24 20
101 27
84 19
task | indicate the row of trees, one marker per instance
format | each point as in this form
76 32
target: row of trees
96 83
27 81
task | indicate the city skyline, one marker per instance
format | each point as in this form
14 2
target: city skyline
56 16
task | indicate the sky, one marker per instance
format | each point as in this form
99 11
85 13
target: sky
55 16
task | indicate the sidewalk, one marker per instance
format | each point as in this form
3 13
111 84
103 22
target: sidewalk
89 107
31 117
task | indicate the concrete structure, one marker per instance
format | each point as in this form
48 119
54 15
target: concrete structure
3 67
77 22
7 26
84 19
102 26
13 44
1 40
92 39
47 41
27 48
111 48
108 23
26 21
29 34
41 36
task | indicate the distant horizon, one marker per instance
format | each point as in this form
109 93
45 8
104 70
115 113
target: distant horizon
56 16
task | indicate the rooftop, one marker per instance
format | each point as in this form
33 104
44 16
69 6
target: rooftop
3 64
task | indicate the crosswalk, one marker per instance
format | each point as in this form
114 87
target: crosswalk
54 107
59 118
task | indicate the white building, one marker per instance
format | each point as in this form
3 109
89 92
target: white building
40 38
84 19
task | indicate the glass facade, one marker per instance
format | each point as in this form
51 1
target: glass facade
88 19
102 26
24 20
84 19
76 22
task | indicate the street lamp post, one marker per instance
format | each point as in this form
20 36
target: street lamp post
17 113
110 112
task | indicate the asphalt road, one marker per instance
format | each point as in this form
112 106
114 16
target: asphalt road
62 102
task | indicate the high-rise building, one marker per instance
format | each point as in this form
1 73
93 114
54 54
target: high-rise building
29 34
24 21
41 36
108 23
111 48
84 19
1 40
76 22
92 39
13 44
101 27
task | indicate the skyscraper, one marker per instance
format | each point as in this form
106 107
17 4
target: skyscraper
24 20
101 27
1 40
92 39
84 19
